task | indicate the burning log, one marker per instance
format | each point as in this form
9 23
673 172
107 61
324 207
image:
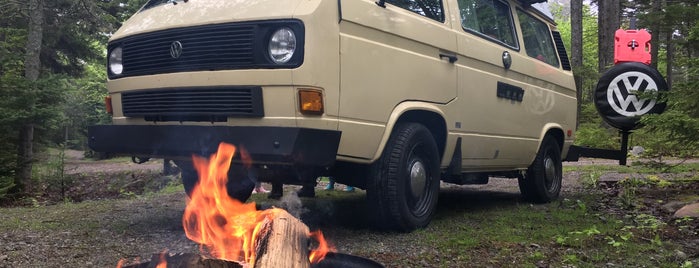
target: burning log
283 242
187 260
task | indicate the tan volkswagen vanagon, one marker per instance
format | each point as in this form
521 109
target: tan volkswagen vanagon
389 96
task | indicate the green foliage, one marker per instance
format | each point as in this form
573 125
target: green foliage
51 174
23 101
592 135
590 58
648 227
676 132
83 106
591 179
593 132
12 97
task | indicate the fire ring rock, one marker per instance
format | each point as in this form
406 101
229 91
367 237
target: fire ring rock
617 94
691 211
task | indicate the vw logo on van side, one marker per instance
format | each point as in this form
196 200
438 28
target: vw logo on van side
176 49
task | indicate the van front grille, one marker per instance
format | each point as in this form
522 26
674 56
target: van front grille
226 46
194 104
212 47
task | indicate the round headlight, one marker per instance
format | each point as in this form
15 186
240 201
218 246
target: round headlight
116 65
282 45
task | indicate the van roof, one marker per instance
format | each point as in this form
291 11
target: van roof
543 8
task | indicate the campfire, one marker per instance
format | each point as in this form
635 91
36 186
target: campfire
236 234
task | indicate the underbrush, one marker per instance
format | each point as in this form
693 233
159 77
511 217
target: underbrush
61 178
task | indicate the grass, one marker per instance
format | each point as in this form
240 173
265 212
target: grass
61 217
636 167
482 228
472 227
563 233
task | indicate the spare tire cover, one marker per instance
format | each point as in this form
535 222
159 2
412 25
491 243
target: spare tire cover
616 94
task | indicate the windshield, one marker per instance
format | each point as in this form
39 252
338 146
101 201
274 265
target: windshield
154 3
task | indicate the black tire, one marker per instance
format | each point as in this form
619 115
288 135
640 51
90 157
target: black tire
239 184
542 182
404 184
626 114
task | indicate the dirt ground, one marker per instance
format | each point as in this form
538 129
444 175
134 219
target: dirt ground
111 215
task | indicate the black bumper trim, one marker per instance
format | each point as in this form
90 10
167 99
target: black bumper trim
266 145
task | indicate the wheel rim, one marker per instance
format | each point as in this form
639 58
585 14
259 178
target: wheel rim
551 179
418 177
418 191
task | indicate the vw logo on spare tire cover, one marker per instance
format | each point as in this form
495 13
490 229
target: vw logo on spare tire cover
616 95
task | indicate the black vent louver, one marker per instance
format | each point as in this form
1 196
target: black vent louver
194 104
560 47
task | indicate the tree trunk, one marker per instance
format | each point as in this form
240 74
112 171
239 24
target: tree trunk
655 37
25 158
32 60
576 41
670 47
608 22
32 69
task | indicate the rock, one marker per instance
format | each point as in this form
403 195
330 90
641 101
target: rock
691 210
637 151
610 178
673 206
680 255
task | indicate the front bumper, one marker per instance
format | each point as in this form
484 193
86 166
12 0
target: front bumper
266 145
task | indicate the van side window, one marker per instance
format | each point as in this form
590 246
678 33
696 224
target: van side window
537 39
429 8
489 18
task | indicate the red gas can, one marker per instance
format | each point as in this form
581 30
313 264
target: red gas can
632 45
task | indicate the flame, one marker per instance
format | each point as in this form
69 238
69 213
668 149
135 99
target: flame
319 253
163 261
225 227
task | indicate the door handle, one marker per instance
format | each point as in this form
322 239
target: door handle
451 58
506 59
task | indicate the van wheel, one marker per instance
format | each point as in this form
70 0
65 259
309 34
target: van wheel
404 186
239 185
542 183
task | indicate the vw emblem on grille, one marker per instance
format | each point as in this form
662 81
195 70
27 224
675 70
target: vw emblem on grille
176 49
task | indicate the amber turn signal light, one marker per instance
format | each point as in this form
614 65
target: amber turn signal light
311 102
108 104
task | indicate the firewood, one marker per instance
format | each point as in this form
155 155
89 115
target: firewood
186 260
283 242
